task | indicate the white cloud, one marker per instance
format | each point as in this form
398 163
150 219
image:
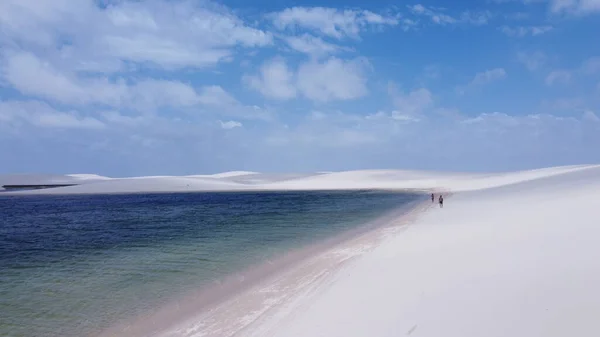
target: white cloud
275 80
321 81
410 105
488 76
333 79
400 116
34 77
495 118
42 115
558 76
578 7
394 115
432 71
161 33
41 23
495 141
591 66
538 30
475 18
150 49
216 96
65 120
532 60
522 31
589 115
450 113
230 125
438 15
312 45
317 115
482 78
525 2
519 16
153 94
330 21
324 134
486 141
122 71
116 118
564 104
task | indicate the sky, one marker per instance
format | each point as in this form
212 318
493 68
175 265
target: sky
124 88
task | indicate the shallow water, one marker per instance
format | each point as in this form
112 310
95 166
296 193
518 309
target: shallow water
74 265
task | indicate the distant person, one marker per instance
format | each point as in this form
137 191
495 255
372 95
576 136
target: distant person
441 200
432 197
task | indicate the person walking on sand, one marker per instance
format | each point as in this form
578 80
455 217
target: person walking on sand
441 200
432 198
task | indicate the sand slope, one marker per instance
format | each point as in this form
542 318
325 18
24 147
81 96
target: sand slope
516 260
242 180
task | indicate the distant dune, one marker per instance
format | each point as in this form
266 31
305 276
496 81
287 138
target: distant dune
244 180
87 176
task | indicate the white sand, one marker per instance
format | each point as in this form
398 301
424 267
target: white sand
513 254
243 180
518 260
87 176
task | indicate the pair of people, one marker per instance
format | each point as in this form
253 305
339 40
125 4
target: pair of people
440 199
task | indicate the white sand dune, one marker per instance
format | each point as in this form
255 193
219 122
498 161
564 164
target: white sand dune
86 176
232 174
244 180
41 179
398 179
35 179
144 185
516 260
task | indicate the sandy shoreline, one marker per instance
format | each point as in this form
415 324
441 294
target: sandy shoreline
517 260
245 297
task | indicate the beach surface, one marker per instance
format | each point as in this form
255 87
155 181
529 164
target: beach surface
510 254
515 260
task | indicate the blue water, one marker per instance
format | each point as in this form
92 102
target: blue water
75 265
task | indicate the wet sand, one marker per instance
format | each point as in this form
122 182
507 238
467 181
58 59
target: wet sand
234 305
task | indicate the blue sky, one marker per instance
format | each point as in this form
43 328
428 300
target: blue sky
124 88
